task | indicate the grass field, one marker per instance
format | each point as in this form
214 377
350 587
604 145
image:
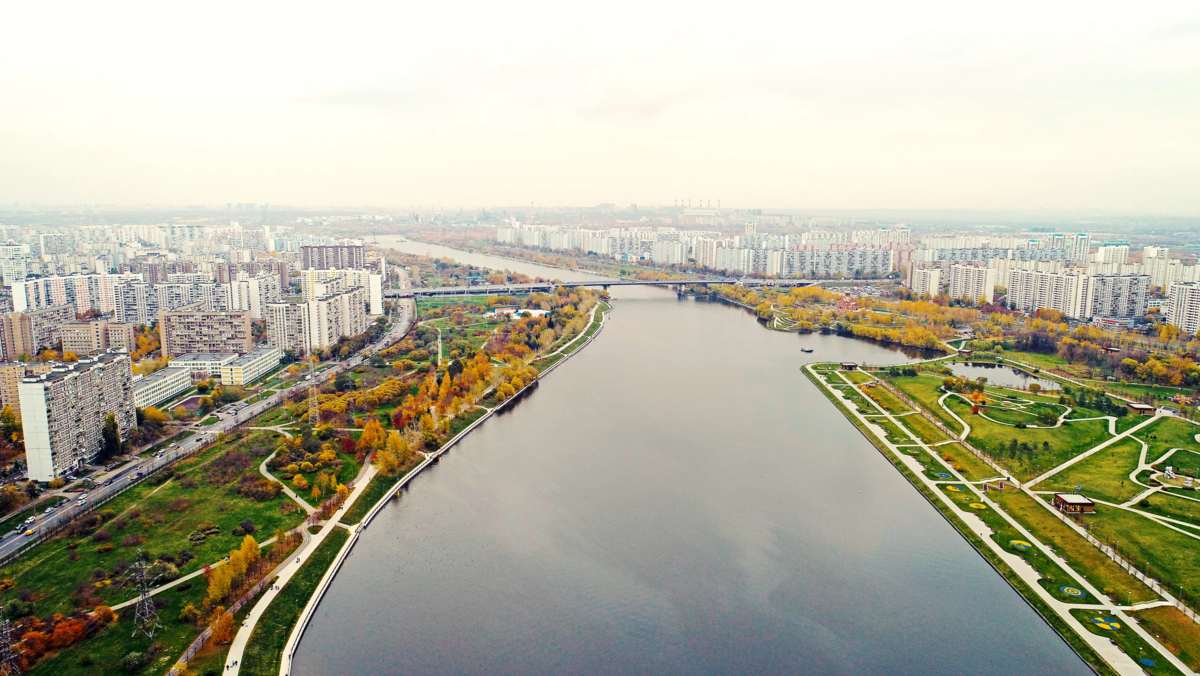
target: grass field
1104 475
1167 554
1079 553
1166 433
1129 642
265 648
1065 442
157 518
1165 504
1181 633
965 462
924 390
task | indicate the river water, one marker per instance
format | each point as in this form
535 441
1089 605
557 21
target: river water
675 499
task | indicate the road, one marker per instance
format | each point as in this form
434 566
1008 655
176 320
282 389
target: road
127 475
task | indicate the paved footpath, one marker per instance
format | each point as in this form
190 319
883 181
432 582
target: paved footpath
1118 660
234 659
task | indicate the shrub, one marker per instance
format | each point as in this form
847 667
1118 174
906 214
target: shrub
248 526
189 615
101 536
132 540
188 482
133 663
106 547
178 505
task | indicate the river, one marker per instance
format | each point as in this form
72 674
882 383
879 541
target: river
676 499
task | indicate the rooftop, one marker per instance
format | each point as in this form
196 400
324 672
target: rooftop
204 357
157 376
1073 499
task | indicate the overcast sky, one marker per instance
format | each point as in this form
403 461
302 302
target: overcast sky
453 104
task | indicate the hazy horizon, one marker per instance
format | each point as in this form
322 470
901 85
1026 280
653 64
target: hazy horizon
856 107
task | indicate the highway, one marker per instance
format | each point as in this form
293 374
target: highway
129 474
504 289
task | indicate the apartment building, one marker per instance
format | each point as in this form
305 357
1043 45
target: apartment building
63 412
1068 293
191 329
1183 308
85 337
926 281
316 324
28 332
339 256
10 378
250 366
122 337
160 386
1119 296
972 282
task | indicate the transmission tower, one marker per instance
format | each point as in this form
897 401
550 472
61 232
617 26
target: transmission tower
145 616
314 413
10 661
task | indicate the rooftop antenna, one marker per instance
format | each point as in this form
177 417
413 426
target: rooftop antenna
145 615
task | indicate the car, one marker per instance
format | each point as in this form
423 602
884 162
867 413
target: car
173 445
83 498
31 519
19 528
30 532
50 509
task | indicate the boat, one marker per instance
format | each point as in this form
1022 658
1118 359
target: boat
806 349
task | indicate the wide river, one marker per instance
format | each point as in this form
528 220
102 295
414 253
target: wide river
676 499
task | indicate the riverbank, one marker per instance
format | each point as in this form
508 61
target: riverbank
270 635
993 514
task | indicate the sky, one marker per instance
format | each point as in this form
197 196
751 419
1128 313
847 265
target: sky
829 105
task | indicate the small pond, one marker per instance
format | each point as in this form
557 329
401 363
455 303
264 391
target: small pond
998 374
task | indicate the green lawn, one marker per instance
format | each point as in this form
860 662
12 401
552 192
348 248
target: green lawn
964 462
1104 475
924 390
1129 642
924 429
211 420
1167 433
161 517
1165 504
1178 632
1079 553
1053 576
265 649
1064 442
1170 555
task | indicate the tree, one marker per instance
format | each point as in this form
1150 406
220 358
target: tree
189 614
10 425
153 416
111 436
222 626
250 550
372 436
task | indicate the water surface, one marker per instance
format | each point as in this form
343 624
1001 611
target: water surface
676 499
999 374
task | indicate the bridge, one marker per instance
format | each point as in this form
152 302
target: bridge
547 287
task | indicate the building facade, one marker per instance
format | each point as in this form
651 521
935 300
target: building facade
325 257
160 386
972 282
188 330
1183 308
63 412
250 366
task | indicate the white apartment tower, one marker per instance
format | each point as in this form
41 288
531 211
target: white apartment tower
1183 308
972 282
927 281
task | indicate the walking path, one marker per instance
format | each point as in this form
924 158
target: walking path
1121 662
238 647
184 578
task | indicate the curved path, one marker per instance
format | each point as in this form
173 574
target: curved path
1120 661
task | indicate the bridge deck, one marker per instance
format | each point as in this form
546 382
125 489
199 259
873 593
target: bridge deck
487 289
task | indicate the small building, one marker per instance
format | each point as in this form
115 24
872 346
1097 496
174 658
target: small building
1073 503
160 386
849 366
1140 409
203 365
250 366
966 353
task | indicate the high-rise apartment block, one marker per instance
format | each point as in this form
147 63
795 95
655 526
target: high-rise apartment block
63 412
339 256
972 282
1183 308
10 380
193 329
1068 293
926 281
26 333
85 337
1119 296
318 323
